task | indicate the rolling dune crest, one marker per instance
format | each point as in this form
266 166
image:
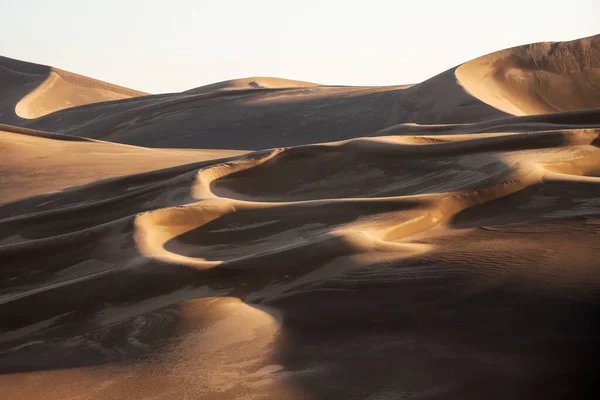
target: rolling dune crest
264 238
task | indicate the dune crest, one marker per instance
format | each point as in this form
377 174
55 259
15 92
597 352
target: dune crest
402 242
538 78
257 82
77 161
63 89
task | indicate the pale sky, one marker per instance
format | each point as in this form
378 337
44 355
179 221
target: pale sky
173 45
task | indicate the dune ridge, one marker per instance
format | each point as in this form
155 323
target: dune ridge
379 243
538 78
42 90
49 161
63 89
211 230
256 82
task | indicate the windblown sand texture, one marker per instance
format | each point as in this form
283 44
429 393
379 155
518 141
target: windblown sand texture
263 238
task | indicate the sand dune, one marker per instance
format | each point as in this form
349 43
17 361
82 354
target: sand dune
44 90
257 82
62 89
33 162
380 243
538 78
278 112
292 116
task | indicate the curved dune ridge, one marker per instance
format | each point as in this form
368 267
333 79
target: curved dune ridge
77 161
257 82
358 253
538 78
277 112
63 89
534 79
161 239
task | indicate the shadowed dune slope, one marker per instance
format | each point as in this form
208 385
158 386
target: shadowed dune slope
537 78
386 253
260 113
380 243
17 79
63 89
35 90
579 119
263 118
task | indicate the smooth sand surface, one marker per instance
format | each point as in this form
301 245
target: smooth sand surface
41 90
33 162
537 79
256 82
64 90
381 243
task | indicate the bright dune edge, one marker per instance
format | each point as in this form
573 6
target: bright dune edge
538 78
531 79
443 260
62 89
155 228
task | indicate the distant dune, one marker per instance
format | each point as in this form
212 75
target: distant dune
270 239
256 82
256 118
538 78
526 80
63 89
51 89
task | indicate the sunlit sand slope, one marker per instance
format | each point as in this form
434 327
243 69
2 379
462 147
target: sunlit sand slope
35 162
257 82
381 243
537 78
286 268
31 90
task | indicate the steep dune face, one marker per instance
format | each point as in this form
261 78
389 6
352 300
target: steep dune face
537 78
533 79
258 118
17 79
35 90
63 89
254 112
429 247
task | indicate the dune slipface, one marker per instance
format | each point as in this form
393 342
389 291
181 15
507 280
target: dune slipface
538 78
433 241
32 90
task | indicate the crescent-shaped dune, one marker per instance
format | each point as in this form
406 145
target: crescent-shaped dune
538 78
63 89
34 90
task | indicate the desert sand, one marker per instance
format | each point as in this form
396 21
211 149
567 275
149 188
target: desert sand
263 238
256 82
